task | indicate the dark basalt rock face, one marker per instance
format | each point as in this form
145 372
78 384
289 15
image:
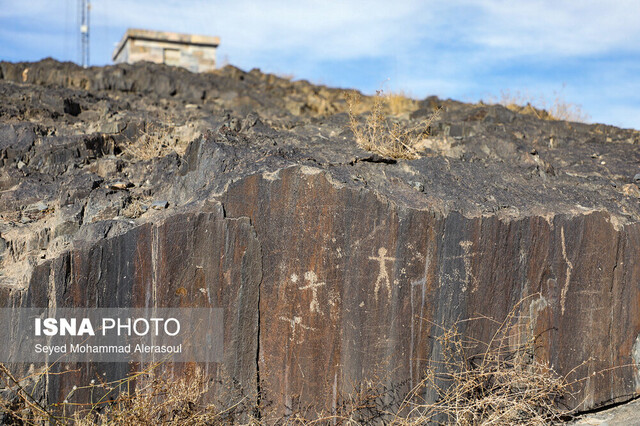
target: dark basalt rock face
335 267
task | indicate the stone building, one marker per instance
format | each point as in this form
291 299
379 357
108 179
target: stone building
197 53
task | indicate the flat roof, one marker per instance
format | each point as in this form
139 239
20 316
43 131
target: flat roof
167 37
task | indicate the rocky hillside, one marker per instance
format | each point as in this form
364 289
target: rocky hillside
336 266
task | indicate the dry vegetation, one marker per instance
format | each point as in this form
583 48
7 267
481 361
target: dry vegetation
525 103
157 400
137 206
155 140
382 135
399 103
499 382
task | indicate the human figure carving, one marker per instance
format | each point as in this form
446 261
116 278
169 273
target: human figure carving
312 278
383 276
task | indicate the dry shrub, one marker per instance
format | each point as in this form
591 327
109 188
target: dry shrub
525 103
499 382
381 136
17 402
155 140
152 143
156 400
136 207
562 110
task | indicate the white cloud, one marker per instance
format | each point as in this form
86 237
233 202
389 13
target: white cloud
315 29
350 29
583 27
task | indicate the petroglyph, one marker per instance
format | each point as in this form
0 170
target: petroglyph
295 322
469 277
565 289
466 257
383 275
456 276
334 304
312 278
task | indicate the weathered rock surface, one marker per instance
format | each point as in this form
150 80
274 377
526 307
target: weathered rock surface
335 267
623 415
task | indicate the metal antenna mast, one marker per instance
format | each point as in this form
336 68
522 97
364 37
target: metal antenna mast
84 7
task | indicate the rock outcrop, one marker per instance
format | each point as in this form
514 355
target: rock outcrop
335 267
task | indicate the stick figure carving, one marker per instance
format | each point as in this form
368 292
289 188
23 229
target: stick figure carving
311 276
383 276
296 321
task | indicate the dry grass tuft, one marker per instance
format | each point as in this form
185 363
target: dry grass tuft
136 207
525 103
157 400
156 140
399 103
562 110
380 135
499 382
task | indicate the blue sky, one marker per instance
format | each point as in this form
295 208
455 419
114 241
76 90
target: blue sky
587 52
